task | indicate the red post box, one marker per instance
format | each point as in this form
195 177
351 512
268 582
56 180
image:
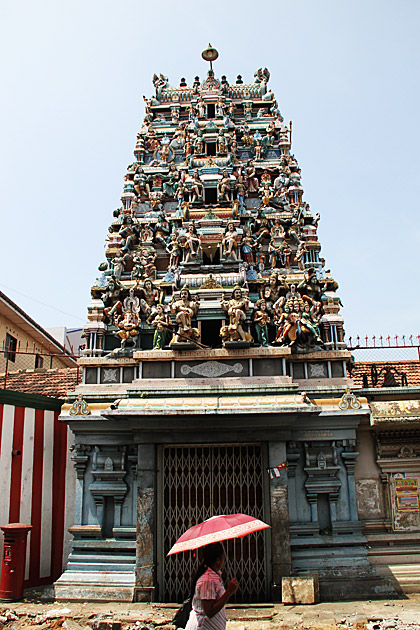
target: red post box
14 559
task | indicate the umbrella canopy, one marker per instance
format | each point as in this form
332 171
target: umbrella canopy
216 529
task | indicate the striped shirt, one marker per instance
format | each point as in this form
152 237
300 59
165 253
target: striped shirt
209 586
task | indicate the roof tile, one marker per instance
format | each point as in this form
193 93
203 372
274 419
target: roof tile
54 383
386 373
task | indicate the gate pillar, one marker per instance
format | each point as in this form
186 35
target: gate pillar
146 524
280 527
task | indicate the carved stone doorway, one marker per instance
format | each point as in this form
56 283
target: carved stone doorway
197 482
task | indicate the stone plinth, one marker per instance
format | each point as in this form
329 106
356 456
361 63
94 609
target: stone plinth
302 589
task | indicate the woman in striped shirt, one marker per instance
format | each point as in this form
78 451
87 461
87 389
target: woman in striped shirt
210 597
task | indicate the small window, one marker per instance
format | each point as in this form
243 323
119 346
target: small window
91 375
39 361
211 148
128 374
210 195
298 370
337 369
10 347
211 111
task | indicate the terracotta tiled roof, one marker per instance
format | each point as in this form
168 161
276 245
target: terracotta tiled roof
388 373
54 383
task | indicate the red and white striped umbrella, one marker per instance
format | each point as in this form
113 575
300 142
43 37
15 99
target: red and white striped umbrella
217 529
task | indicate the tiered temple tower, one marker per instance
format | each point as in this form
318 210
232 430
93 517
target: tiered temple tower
215 367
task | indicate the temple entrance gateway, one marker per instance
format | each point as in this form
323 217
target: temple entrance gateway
214 351
197 482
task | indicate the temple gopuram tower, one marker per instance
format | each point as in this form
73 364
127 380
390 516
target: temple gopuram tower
214 374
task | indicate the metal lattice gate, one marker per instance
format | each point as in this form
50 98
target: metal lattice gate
198 482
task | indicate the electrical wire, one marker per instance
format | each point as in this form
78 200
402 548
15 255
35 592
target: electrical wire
43 303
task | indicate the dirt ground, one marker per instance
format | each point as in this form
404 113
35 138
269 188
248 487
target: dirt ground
31 612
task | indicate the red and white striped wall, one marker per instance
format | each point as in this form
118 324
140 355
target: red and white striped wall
33 464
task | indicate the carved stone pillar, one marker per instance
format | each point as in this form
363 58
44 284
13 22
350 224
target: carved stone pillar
80 459
349 459
280 529
292 462
313 502
146 518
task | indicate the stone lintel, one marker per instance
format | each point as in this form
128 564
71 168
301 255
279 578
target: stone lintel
318 356
212 405
214 353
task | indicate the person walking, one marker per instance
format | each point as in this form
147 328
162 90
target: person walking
210 596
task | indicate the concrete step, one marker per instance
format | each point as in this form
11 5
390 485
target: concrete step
97 557
100 566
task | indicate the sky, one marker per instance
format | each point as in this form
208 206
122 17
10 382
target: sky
346 73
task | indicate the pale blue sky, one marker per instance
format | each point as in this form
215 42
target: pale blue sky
73 73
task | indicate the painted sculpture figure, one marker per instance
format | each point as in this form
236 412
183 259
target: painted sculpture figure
261 321
229 242
184 310
236 309
192 244
160 323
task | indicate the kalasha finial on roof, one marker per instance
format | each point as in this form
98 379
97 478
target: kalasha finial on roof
210 54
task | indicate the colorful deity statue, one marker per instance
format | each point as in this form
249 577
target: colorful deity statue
170 184
179 138
180 193
248 244
275 247
197 188
266 193
287 256
198 144
272 290
298 324
300 255
224 187
221 143
184 310
201 108
173 247
146 234
128 329
236 308
251 177
129 233
131 302
192 245
257 149
144 263
220 107
141 183
117 264
229 242
150 297
261 321
160 323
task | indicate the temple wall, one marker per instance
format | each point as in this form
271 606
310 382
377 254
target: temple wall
370 492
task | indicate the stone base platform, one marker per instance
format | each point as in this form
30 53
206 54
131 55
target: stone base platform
93 586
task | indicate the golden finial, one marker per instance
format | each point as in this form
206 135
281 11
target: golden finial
210 54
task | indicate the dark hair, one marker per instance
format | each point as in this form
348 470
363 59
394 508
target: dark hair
210 554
